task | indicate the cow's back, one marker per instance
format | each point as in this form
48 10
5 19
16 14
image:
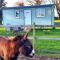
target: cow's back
4 47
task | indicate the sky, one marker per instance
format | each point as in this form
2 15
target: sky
12 2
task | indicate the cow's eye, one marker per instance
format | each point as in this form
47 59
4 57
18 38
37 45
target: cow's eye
28 46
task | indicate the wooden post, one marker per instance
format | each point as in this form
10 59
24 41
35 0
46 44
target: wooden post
33 36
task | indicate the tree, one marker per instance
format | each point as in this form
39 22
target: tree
35 2
38 2
20 3
58 8
1 1
57 4
1 5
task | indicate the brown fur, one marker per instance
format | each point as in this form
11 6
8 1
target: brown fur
7 48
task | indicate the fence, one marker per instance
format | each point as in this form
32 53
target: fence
46 46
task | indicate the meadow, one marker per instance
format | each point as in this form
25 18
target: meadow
47 47
38 32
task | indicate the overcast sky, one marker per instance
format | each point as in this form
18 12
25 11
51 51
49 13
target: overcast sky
12 2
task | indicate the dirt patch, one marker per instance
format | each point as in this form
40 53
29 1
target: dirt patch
38 58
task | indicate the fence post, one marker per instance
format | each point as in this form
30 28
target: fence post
33 36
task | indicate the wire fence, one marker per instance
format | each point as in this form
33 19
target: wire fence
45 46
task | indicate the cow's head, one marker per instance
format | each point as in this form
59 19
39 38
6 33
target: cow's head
25 45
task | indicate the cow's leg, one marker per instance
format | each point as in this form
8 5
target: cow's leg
1 58
6 54
6 57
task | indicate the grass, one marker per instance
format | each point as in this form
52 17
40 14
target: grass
47 47
47 33
53 33
3 32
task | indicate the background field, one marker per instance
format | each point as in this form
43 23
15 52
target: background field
38 32
47 47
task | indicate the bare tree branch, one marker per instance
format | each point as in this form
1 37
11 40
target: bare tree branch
35 2
20 3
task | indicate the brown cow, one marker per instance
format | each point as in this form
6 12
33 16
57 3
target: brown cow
10 48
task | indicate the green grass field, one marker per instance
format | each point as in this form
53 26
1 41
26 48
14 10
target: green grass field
47 33
47 47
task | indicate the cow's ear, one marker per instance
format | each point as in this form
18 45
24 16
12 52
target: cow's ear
27 29
25 36
11 38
